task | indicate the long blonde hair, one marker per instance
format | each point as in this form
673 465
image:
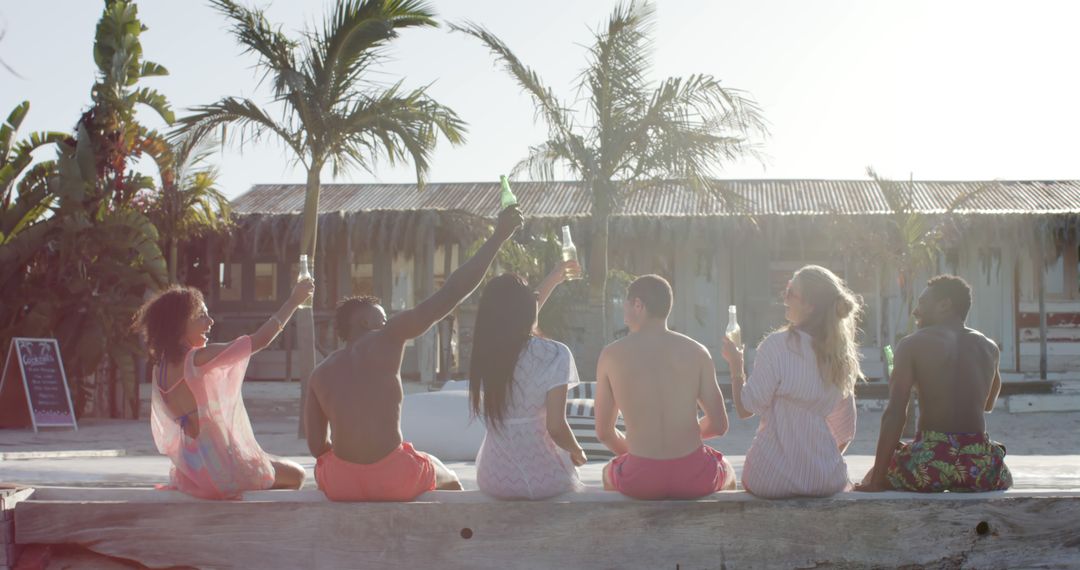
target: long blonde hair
832 325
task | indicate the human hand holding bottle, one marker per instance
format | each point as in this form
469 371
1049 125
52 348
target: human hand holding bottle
303 290
510 220
732 353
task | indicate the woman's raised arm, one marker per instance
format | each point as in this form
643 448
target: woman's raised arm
269 330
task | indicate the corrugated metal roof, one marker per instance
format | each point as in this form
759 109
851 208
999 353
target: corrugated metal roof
762 198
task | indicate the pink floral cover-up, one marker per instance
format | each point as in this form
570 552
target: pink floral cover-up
224 460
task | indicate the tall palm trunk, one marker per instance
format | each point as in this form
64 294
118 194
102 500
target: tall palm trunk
598 269
305 317
599 330
172 262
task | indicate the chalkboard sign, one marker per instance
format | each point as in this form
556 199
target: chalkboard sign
37 361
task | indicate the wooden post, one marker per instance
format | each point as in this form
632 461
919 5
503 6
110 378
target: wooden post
425 277
446 326
212 286
1017 293
304 320
1040 286
383 274
879 307
288 341
345 263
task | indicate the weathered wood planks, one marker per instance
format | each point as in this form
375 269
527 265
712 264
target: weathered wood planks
989 531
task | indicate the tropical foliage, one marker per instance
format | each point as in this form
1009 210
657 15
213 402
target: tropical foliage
532 258
903 242
327 108
332 113
84 250
188 205
631 133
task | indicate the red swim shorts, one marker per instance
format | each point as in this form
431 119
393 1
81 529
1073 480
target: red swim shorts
701 473
402 475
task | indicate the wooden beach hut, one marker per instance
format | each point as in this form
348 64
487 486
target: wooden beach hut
1009 239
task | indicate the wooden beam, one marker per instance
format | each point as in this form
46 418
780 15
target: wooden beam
1040 286
343 271
383 274
1044 403
425 281
1012 529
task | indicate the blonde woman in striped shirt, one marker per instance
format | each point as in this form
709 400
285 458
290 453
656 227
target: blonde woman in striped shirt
803 390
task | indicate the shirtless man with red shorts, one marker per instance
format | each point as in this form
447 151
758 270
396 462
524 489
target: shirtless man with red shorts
658 379
357 392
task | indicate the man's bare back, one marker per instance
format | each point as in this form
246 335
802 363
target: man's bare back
955 370
359 389
658 378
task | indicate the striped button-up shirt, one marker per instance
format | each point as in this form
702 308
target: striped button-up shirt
804 422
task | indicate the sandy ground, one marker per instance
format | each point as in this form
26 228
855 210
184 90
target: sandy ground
125 453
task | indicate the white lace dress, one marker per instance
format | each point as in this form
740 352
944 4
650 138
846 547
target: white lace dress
519 460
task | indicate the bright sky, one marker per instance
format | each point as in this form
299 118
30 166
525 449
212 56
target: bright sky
941 90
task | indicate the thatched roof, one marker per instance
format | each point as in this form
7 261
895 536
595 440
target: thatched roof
397 217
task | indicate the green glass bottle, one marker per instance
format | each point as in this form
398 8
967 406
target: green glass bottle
506 197
888 361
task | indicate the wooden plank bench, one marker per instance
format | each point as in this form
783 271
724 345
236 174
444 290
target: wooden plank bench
594 529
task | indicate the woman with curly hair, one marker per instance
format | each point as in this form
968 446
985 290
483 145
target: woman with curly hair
197 413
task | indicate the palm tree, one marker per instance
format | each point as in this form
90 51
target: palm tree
331 113
904 240
23 197
25 204
83 254
189 203
632 133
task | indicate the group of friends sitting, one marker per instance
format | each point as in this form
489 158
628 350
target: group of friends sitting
661 382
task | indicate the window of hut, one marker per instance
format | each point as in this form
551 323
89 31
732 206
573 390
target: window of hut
363 275
266 282
441 263
230 281
1055 279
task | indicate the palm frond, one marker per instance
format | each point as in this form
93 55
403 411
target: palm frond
151 69
897 197
689 127
256 34
31 204
965 197
396 125
17 159
140 235
351 38
190 152
547 104
248 118
616 75
11 125
155 100
544 158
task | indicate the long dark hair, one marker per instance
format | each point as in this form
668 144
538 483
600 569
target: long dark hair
163 320
504 325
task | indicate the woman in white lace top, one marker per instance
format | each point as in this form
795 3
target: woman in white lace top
518 384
